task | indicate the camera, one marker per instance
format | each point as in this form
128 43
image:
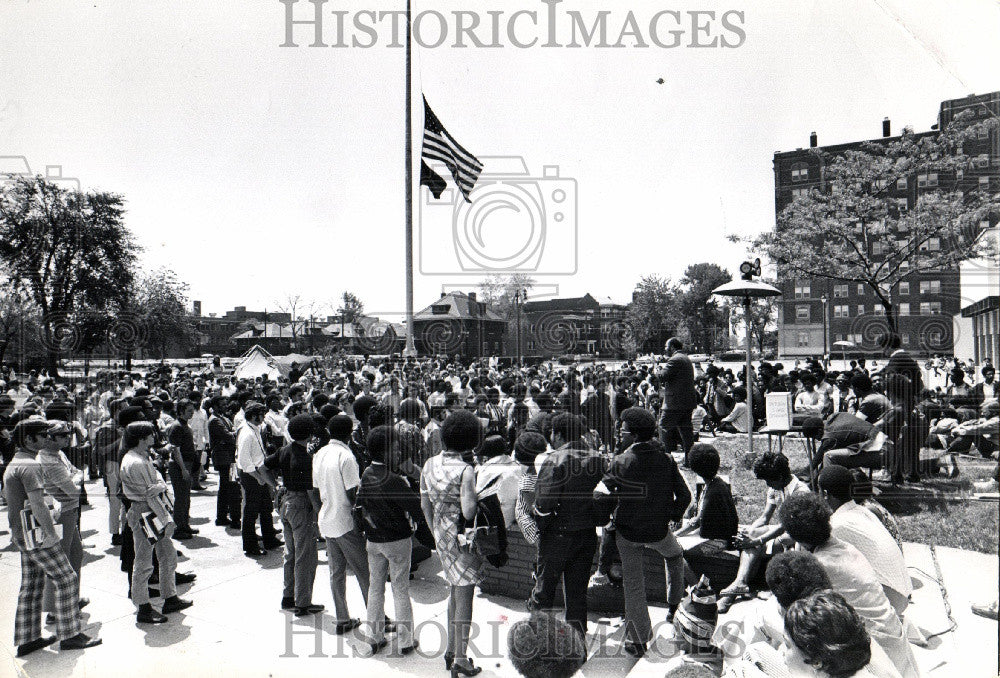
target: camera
513 222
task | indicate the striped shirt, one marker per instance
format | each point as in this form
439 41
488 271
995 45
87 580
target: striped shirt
524 508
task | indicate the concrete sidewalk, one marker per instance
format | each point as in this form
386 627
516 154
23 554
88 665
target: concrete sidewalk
236 628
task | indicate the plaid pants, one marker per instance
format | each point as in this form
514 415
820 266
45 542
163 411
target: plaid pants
35 567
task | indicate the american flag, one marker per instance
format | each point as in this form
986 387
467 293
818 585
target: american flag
439 145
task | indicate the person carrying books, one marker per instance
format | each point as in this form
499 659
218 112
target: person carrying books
41 549
62 483
151 522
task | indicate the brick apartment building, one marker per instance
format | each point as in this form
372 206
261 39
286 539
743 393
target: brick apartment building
577 325
815 313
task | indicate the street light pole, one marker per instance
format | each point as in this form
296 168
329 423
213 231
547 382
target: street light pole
825 303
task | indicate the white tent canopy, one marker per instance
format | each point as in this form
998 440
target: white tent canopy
256 363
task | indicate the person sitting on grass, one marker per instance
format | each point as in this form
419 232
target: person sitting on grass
716 520
773 469
806 518
737 421
544 646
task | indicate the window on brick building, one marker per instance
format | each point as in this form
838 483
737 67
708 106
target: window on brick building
802 291
904 309
800 171
841 311
930 287
803 339
840 291
904 288
802 314
927 180
901 183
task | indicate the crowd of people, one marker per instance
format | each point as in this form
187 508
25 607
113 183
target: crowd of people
384 462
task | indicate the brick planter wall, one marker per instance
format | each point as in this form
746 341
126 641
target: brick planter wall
514 579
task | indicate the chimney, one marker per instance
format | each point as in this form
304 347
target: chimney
813 140
442 294
196 308
472 296
886 127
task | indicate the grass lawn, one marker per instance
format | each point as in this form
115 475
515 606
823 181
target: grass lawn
939 511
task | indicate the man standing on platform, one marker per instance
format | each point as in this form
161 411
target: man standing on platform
679 398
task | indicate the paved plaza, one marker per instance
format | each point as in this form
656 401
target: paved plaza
235 626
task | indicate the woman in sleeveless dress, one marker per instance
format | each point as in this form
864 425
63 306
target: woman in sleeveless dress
447 493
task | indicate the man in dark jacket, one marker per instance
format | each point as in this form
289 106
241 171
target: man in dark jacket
564 507
222 443
679 398
649 489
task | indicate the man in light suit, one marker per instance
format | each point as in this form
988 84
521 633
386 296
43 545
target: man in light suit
679 398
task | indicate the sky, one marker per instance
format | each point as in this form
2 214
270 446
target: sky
257 171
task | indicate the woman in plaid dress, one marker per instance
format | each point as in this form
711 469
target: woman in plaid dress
447 492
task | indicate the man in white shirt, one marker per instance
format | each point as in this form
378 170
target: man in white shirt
336 476
256 480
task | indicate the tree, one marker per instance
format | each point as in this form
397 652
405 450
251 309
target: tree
763 315
16 313
499 292
63 248
160 320
702 314
653 315
851 229
351 308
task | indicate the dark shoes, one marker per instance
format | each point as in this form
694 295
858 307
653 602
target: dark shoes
346 626
309 609
32 645
409 648
253 553
184 577
268 545
377 647
175 604
223 523
116 540
147 615
460 670
80 641
287 603
671 611
183 535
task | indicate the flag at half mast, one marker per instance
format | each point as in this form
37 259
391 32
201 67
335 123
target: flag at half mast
439 145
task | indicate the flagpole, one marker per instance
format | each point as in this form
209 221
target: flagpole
410 348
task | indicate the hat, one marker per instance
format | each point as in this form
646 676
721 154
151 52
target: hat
301 427
528 446
6 401
58 427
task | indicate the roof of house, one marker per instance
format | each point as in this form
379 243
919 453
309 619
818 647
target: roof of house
457 306
584 303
